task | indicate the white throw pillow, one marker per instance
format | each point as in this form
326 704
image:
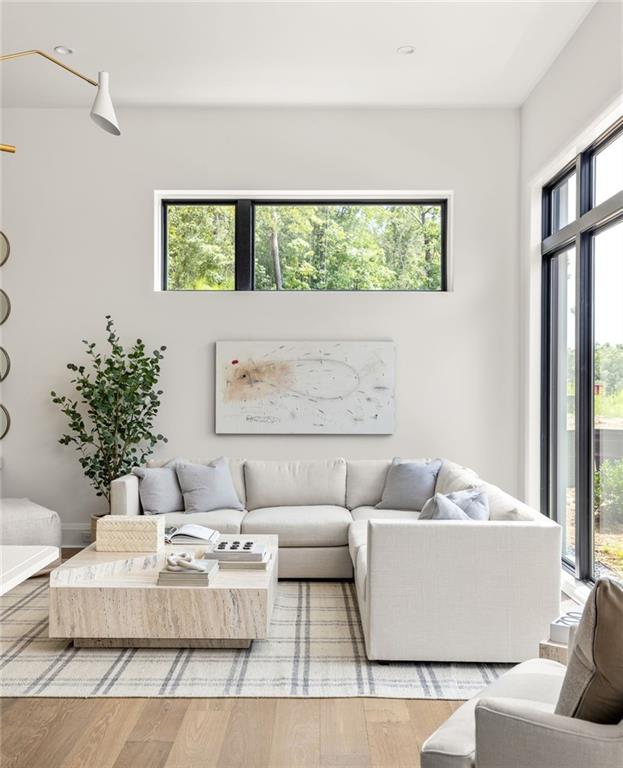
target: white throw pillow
453 477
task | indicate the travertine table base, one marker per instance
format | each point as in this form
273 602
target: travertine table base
150 642
548 649
111 599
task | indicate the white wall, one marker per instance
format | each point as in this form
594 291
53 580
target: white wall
580 84
78 207
576 100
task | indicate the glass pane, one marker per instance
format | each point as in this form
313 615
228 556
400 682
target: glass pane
563 203
200 247
608 403
564 405
341 247
608 169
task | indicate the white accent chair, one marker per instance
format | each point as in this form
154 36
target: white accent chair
512 724
433 590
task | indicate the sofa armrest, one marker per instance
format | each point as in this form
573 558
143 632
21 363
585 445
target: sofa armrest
445 590
528 735
124 498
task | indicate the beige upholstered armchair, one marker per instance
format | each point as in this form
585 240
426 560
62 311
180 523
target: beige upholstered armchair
513 722
525 734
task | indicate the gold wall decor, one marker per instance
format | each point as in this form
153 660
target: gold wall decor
5 421
5 311
5 249
5 307
5 363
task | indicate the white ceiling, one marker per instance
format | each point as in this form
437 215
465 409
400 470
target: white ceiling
280 53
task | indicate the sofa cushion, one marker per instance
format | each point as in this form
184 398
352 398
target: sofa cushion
361 572
159 488
222 520
301 526
593 685
236 469
295 483
453 477
365 480
207 486
357 538
358 533
372 513
453 744
409 484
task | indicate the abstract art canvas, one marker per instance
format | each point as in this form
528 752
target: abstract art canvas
305 387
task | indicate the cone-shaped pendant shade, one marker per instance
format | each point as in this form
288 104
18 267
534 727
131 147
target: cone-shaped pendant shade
102 111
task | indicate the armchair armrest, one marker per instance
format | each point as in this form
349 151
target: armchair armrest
527 734
124 498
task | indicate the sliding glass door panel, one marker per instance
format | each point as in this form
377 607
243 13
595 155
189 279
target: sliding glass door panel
608 402
563 345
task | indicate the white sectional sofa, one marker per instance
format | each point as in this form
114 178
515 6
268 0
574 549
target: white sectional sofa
435 590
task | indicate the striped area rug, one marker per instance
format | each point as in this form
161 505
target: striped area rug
315 649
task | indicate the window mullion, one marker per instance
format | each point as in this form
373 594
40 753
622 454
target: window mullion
547 447
164 234
584 175
244 245
584 405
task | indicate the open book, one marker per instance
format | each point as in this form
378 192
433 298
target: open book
190 533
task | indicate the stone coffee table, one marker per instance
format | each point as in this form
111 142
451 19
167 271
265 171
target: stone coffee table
111 599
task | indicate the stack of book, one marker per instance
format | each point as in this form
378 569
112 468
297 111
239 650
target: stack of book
233 554
188 578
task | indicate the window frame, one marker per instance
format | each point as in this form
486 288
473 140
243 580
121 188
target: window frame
579 234
244 259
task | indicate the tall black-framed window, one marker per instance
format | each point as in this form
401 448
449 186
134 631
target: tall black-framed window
582 357
304 245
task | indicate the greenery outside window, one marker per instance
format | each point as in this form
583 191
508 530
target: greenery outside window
582 357
304 245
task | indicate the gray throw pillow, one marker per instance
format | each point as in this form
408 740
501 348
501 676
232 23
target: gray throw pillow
441 508
409 484
208 486
473 503
159 489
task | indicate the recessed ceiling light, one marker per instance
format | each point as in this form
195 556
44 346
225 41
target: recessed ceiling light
63 50
406 50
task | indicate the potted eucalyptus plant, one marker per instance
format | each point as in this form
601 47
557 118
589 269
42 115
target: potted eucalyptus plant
110 418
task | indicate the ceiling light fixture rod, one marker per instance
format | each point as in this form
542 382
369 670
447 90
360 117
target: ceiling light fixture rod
102 111
36 52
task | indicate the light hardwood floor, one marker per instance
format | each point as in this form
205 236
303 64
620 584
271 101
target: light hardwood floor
216 733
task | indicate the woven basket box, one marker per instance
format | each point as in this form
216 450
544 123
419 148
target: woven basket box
117 533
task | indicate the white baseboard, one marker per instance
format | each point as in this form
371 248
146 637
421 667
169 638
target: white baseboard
76 534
